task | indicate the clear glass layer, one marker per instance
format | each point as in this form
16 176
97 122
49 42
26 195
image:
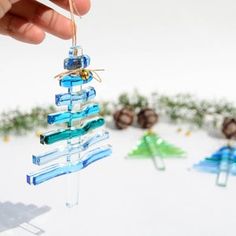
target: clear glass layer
223 173
224 167
73 149
64 134
75 51
153 149
72 191
63 117
69 81
75 98
65 168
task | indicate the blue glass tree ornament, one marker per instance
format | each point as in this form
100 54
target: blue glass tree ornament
222 163
68 160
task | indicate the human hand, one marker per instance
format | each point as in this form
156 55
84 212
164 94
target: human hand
28 20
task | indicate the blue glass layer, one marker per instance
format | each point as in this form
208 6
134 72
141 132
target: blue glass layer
62 117
207 166
65 168
77 62
64 134
75 98
69 81
224 160
73 149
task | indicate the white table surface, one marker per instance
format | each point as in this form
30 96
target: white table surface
119 197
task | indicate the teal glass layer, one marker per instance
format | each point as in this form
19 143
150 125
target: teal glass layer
62 117
69 81
73 149
75 98
67 168
60 135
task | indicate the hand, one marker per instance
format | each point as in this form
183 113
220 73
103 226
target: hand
28 20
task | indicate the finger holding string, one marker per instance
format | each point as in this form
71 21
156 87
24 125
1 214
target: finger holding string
28 20
81 7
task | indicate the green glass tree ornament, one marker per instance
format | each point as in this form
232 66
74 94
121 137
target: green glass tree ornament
152 146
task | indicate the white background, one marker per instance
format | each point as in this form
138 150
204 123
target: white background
169 46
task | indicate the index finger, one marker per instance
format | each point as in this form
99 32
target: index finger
82 6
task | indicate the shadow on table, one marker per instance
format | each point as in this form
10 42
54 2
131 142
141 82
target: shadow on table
19 215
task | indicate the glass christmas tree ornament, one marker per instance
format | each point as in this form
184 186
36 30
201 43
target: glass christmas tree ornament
81 120
152 146
222 163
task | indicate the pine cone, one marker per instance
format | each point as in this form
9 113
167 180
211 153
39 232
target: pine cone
229 128
147 117
123 118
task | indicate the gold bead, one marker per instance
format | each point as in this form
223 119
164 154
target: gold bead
84 74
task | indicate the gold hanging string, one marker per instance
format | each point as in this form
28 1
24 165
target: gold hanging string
75 9
74 26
